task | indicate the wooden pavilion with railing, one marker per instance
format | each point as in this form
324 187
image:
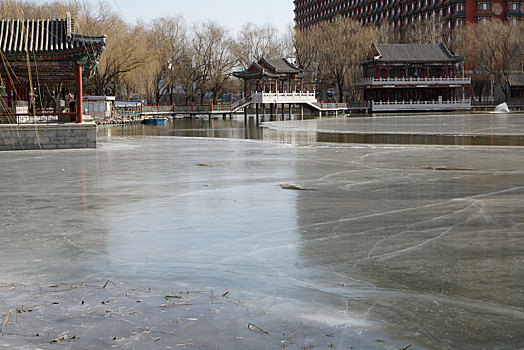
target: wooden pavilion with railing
414 77
275 81
40 52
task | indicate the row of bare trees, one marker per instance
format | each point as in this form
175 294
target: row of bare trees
161 60
168 60
492 52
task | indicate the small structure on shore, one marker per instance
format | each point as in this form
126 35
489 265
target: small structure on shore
414 77
99 107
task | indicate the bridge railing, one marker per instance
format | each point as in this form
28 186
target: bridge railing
415 80
165 108
342 105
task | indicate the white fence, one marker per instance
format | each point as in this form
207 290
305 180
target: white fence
284 97
416 81
438 105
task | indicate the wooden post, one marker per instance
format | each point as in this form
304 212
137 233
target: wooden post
245 114
283 110
79 107
290 107
301 111
9 91
263 110
256 110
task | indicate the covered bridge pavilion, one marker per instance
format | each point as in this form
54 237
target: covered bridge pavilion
39 52
275 82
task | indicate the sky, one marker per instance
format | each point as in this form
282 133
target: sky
232 13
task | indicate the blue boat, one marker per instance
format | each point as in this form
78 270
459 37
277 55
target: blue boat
154 121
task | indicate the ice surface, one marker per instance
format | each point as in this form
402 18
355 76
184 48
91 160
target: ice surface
386 251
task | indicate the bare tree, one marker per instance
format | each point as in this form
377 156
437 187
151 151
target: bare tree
429 31
166 40
125 49
334 50
489 49
214 58
254 42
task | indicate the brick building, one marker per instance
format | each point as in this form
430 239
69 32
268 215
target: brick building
400 13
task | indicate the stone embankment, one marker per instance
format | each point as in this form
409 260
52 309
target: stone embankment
47 136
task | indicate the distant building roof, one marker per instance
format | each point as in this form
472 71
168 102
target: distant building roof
280 66
414 53
270 68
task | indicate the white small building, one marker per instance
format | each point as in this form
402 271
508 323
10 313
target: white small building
99 107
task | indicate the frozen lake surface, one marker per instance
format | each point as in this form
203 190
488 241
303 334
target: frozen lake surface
480 129
169 242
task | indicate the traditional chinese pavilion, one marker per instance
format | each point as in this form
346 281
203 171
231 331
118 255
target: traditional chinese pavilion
36 52
516 82
272 76
414 77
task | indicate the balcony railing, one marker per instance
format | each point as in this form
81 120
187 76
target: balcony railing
434 105
416 81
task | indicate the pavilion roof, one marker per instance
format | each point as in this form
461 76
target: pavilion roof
414 53
50 47
270 68
280 66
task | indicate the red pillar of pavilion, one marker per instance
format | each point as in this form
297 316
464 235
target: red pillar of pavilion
79 107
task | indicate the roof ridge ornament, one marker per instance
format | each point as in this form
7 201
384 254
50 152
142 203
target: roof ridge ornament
69 26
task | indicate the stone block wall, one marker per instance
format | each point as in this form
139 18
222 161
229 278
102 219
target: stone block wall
49 136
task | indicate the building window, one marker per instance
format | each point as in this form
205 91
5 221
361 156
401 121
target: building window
483 6
513 6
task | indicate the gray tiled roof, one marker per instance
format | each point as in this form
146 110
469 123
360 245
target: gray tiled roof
43 36
516 79
415 53
283 66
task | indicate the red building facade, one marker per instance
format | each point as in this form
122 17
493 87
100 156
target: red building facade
400 13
